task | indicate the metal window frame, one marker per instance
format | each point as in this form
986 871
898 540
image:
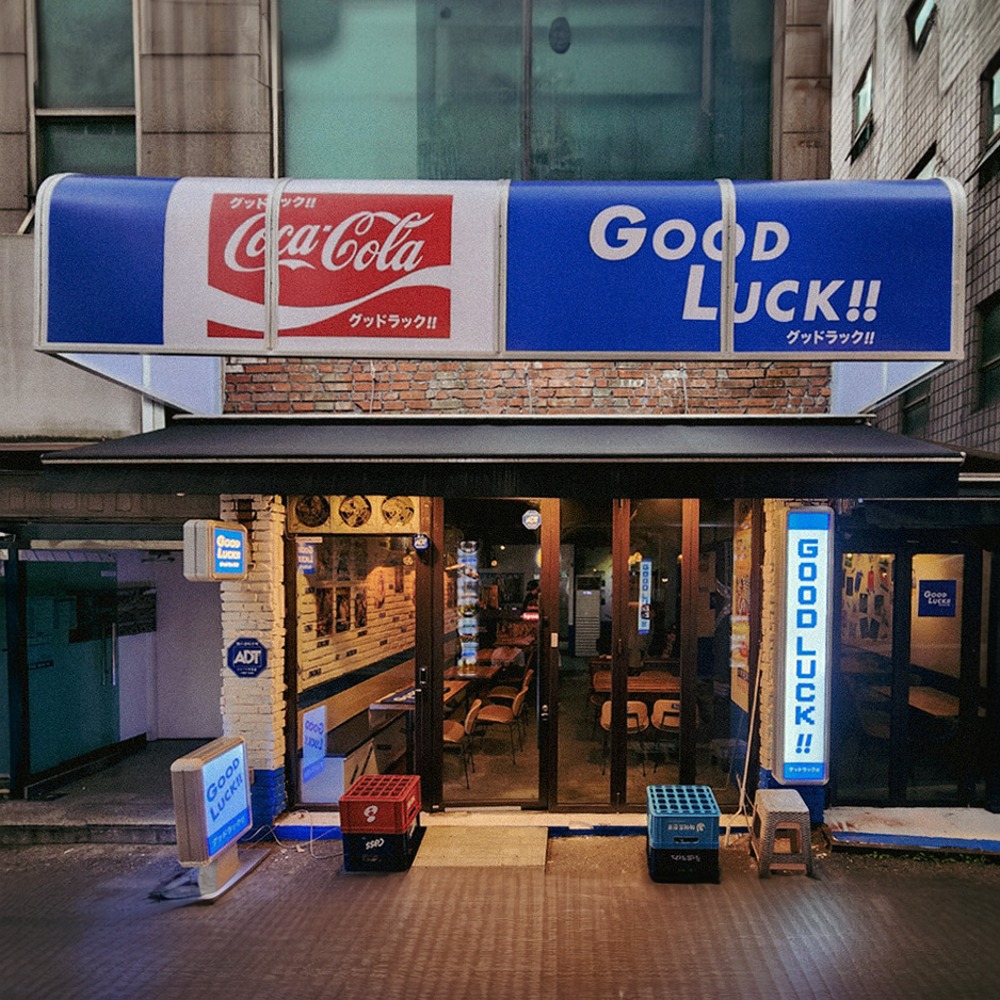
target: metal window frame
37 114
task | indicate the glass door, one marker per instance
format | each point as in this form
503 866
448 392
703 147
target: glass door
627 690
493 620
909 691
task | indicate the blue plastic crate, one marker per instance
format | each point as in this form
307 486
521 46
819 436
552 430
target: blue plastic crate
682 817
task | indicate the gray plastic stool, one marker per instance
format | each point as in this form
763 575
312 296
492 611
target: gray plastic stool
780 815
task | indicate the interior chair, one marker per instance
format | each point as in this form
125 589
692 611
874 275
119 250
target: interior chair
506 693
504 715
458 736
666 719
637 716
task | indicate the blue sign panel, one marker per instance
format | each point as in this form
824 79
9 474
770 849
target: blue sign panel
247 657
803 730
857 267
612 268
229 551
227 798
793 269
936 598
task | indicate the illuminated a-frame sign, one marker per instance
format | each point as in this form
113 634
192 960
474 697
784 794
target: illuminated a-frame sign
816 270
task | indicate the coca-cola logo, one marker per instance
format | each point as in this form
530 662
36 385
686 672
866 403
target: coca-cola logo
348 264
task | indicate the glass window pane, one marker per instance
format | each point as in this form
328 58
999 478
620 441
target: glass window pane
863 99
85 54
643 89
637 89
994 115
86 146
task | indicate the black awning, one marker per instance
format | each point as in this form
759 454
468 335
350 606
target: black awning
799 457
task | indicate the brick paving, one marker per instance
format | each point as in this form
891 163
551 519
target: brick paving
78 921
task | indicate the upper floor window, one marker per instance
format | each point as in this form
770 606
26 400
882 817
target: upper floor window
635 89
862 117
989 351
915 406
83 99
920 20
927 166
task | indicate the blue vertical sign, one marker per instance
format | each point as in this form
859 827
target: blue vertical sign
645 596
803 718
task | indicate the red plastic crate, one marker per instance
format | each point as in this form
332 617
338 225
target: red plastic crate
380 803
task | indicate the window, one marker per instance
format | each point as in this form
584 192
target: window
989 351
862 121
927 166
915 406
84 92
635 89
920 19
991 106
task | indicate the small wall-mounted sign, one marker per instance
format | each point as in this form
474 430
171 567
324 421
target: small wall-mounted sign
531 519
421 543
247 657
215 550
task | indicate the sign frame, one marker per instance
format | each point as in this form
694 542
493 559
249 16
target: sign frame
803 681
704 245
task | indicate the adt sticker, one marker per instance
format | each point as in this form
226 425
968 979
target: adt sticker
531 519
247 657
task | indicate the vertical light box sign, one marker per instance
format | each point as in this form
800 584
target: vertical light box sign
803 731
645 596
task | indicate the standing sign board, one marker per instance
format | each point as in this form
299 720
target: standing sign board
211 792
817 270
802 740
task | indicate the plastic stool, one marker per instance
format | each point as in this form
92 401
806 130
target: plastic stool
780 813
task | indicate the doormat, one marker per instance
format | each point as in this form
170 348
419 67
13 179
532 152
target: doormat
482 847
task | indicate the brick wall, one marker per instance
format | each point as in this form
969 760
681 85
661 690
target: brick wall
309 385
254 707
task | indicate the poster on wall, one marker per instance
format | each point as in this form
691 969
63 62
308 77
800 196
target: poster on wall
739 652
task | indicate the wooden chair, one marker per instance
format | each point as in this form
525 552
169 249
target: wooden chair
458 736
508 692
504 715
637 716
666 718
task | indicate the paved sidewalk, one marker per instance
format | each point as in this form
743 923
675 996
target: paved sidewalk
78 921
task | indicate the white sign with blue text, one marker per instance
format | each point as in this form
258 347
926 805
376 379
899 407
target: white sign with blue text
803 717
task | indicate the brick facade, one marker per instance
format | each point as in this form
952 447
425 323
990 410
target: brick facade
426 386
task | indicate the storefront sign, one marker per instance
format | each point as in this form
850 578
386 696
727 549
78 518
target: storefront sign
645 595
214 550
467 590
247 657
211 792
936 598
803 723
818 270
313 742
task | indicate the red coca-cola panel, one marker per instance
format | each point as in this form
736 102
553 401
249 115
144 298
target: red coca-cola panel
349 265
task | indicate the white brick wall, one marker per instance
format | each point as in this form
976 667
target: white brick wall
254 707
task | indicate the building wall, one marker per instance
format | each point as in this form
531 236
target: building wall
304 385
924 101
49 398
